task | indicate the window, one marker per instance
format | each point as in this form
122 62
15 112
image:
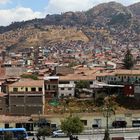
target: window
54 86
62 88
15 89
26 89
136 123
119 124
62 95
40 89
69 88
91 82
6 125
97 122
84 122
64 82
33 89
49 87
70 95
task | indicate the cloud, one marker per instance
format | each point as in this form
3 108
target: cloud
4 1
54 6
58 6
18 14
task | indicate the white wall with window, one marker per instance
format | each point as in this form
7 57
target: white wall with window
65 90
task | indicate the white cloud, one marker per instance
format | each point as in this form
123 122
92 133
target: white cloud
18 14
4 1
54 6
58 6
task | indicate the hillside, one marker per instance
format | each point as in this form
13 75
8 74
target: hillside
28 37
135 8
100 25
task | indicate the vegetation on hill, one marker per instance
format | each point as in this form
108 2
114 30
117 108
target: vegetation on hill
74 105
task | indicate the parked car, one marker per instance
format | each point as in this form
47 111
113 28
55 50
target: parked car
59 133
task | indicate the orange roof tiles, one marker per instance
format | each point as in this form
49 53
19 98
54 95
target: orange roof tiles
77 77
28 83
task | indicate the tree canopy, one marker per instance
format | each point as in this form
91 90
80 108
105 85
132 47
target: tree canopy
128 60
82 84
45 131
32 76
72 125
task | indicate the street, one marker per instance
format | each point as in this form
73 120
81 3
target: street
128 136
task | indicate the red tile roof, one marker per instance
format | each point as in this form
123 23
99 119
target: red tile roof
28 83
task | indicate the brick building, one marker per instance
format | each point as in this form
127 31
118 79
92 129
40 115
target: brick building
26 97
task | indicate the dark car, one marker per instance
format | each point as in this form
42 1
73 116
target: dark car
119 124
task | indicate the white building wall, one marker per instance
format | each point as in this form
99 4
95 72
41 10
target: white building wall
137 89
66 90
100 119
72 82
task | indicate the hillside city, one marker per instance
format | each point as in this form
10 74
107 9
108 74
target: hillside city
50 69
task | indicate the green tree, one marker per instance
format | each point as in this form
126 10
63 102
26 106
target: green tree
32 76
128 60
44 131
72 125
99 101
79 86
82 84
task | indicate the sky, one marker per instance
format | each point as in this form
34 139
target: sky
22 10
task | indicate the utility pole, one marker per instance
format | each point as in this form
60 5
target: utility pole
107 115
107 111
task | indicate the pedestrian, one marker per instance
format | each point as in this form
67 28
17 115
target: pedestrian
71 137
43 137
33 138
76 138
38 138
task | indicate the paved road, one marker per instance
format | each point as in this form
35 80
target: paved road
128 136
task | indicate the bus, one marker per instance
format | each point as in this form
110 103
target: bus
13 134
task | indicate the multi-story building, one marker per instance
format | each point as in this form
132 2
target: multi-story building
120 77
51 86
26 97
66 90
3 103
67 85
129 78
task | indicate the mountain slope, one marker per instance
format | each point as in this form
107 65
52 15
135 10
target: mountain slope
135 8
112 17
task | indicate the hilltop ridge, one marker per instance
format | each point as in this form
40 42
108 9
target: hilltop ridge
74 26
